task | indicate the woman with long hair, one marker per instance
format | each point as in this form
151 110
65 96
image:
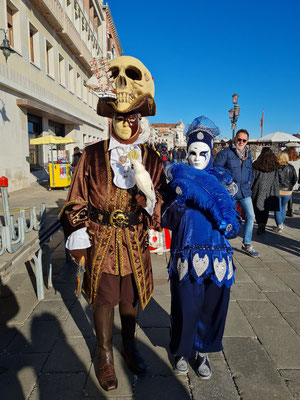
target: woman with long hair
294 160
288 178
265 187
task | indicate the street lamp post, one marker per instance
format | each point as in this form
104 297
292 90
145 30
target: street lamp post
5 46
234 113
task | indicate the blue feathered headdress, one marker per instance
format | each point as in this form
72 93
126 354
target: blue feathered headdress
202 129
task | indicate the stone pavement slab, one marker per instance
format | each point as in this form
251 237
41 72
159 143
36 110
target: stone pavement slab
292 380
71 355
279 339
292 280
253 372
246 291
285 302
153 343
35 336
258 308
236 322
279 267
293 318
18 374
220 387
162 388
61 386
240 274
267 281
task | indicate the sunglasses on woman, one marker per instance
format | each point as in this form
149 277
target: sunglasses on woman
242 140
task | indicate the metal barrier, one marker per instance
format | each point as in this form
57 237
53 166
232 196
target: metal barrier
12 234
44 238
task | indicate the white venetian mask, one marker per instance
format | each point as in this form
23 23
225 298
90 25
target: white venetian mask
199 155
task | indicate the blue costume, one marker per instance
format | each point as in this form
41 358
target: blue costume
202 216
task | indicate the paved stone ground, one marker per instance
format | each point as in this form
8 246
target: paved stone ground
47 348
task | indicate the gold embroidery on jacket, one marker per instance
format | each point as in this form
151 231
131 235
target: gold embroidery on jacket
120 233
98 272
68 204
134 269
77 217
117 252
94 264
141 261
108 170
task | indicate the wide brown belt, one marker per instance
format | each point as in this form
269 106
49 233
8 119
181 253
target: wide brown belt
117 218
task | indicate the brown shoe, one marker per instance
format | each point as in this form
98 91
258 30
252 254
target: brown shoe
106 372
129 350
133 359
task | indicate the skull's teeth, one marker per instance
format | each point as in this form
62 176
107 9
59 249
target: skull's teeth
123 98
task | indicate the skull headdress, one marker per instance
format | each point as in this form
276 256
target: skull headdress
134 89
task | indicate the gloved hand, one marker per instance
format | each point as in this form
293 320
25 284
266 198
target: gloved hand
141 200
77 254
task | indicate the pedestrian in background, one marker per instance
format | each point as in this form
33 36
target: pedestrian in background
75 158
164 155
294 160
237 158
288 178
182 155
175 155
265 187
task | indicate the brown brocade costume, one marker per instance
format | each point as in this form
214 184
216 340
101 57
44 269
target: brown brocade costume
114 250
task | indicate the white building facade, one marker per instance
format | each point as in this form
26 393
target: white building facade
42 88
171 134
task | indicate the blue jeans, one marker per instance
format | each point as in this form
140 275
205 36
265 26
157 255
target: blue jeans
247 207
281 214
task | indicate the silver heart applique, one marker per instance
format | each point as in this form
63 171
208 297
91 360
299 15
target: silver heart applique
200 264
220 269
182 268
230 267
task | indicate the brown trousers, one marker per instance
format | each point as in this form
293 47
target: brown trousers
115 289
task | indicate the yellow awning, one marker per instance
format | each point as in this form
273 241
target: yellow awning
50 139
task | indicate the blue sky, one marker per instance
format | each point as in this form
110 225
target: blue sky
201 52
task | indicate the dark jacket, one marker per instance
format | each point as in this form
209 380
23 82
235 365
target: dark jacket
175 154
265 190
76 158
241 170
288 177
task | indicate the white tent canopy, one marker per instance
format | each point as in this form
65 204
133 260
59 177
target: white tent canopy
279 137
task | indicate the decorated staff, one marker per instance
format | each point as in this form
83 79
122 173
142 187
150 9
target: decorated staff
109 207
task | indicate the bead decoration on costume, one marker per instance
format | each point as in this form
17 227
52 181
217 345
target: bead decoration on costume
200 264
178 190
200 136
220 269
230 267
182 268
228 228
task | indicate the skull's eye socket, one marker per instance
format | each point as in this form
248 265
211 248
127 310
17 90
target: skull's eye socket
114 72
133 73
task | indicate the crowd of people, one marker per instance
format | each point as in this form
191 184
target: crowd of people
172 155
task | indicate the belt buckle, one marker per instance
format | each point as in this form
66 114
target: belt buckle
118 219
